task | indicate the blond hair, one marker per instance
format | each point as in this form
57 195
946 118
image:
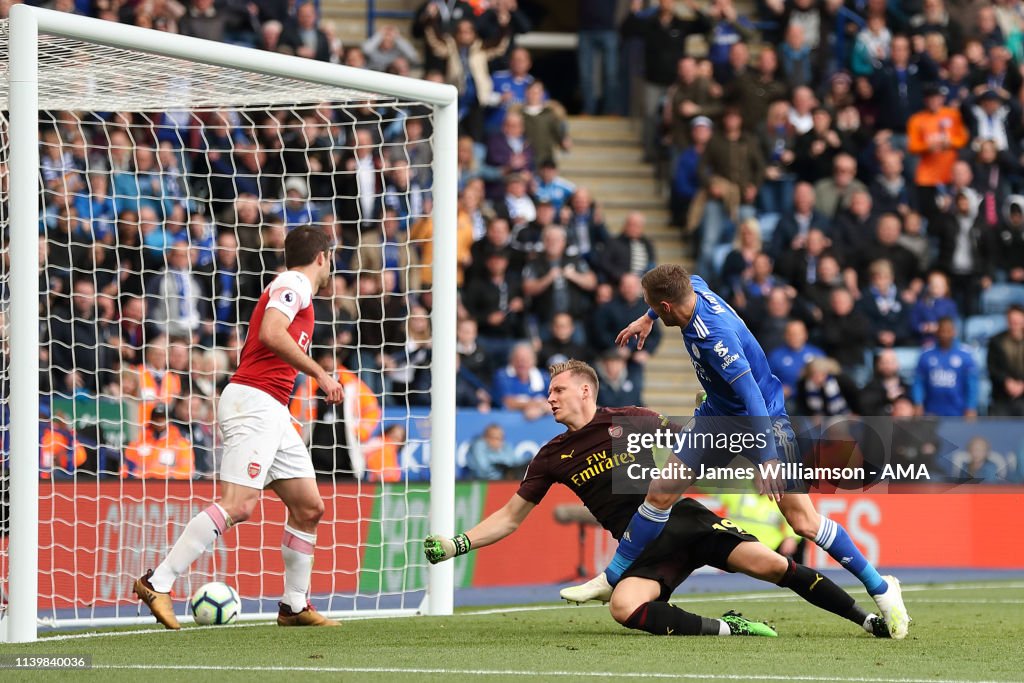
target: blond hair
576 368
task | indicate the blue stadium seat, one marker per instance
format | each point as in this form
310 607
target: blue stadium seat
907 357
999 297
768 223
718 257
978 329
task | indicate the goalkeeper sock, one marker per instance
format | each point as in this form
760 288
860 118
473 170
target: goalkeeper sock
199 535
822 592
834 540
297 550
662 619
645 526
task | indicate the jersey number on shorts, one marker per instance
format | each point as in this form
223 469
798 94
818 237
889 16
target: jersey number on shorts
728 524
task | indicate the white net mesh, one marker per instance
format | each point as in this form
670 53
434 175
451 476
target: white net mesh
167 190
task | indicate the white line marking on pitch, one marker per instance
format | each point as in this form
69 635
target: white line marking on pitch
500 672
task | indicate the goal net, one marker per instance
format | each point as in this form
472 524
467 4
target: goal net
151 191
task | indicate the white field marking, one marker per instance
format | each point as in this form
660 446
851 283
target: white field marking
772 595
546 674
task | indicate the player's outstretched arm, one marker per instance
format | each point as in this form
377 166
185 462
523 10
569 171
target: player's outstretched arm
273 334
495 527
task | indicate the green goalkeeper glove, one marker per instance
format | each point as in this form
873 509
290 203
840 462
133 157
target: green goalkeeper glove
438 549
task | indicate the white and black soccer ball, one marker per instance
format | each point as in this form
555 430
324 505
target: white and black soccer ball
215 603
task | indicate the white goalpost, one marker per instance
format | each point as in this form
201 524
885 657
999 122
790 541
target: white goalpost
135 247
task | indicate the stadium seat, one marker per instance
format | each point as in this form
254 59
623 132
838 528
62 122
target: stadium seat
907 356
978 329
768 222
1000 296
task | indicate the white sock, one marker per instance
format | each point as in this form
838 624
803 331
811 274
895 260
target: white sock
297 550
723 628
199 535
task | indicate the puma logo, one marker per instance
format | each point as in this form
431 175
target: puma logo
669 631
568 455
818 578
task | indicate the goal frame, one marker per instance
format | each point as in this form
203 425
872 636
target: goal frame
26 25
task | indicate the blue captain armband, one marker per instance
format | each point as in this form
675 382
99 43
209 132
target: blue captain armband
651 314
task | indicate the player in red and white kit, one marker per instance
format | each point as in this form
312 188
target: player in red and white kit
261 448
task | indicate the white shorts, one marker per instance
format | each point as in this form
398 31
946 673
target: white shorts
260 442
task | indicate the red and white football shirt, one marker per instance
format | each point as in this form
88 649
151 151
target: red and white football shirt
291 293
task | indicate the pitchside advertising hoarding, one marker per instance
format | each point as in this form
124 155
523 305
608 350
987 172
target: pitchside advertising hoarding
97 536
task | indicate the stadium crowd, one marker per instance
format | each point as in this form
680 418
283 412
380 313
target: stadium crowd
857 192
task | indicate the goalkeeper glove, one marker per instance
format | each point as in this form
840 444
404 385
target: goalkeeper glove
438 549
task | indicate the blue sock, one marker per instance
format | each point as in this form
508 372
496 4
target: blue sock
645 526
836 542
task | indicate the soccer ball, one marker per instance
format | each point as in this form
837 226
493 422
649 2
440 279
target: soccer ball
215 603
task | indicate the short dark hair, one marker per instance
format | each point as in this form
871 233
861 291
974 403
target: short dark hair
302 245
1015 308
667 282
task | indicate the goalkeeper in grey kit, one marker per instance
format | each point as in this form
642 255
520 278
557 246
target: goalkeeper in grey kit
584 459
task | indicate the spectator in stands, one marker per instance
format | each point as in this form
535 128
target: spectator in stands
628 252
796 58
270 37
788 360
131 333
564 343
521 385
686 180
1007 242
466 56
385 249
664 35
727 28
934 304
990 118
884 308
204 20
475 360
517 206
753 90
845 332
800 268
753 287
627 305
934 134
382 453
964 253
160 451
889 190
470 390
407 371
557 282
835 192
769 315
999 75
544 124
778 144
599 37
495 301
690 95
490 457
471 158
817 297
509 151
979 466
302 35
509 88
61 453
792 229
898 85
387 45
360 184
80 342
885 388
549 186
732 168
176 300
1006 366
871 47
193 417
946 380
746 247
886 245
584 224
618 390
825 391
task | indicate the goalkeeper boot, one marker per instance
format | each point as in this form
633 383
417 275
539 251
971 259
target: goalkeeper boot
308 616
741 626
160 604
877 627
597 589
890 604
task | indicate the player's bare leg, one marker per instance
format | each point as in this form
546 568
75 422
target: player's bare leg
154 588
635 605
305 508
799 511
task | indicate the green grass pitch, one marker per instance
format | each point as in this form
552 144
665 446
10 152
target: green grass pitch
961 632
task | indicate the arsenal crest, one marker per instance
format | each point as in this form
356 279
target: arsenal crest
615 431
254 470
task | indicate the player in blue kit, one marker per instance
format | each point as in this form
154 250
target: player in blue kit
734 372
